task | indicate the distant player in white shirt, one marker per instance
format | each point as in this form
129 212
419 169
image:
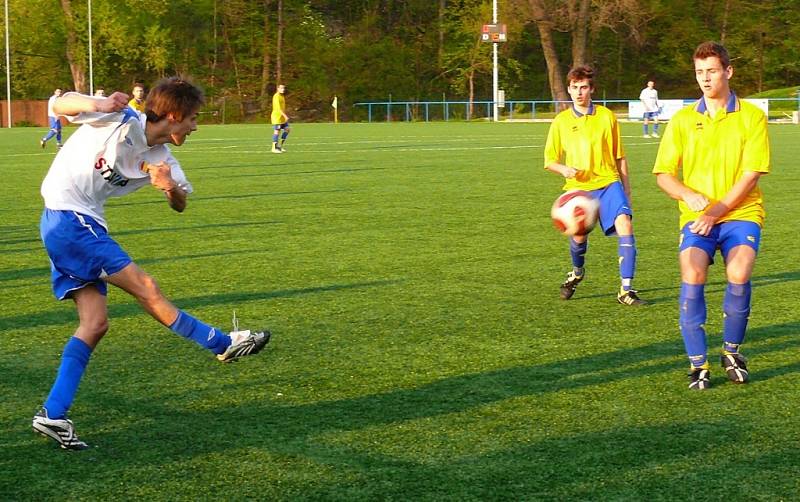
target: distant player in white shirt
54 121
114 152
649 98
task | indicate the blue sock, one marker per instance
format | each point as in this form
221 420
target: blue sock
275 138
284 135
58 137
692 321
211 338
655 128
73 363
627 259
644 127
736 307
50 134
577 251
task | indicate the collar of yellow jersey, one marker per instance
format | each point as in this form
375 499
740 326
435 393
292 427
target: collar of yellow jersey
579 114
732 106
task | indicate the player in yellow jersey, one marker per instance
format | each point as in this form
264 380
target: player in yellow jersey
280 120
584 146
721 147
137 102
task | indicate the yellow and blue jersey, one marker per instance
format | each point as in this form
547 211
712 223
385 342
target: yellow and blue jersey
589 142
714 152
278 107
136 105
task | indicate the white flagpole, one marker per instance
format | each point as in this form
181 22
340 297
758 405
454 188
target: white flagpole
8 69
91 71
494 64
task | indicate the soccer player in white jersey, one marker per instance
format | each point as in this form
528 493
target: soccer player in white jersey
649 98
115 152
54 121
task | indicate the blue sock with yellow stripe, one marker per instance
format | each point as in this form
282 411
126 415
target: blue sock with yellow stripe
692 322
627 259
736 306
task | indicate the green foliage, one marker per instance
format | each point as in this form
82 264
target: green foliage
409 273
371 50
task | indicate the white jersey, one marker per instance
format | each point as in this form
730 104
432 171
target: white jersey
649 98
50 103
103 159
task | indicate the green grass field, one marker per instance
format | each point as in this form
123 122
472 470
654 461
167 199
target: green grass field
409 274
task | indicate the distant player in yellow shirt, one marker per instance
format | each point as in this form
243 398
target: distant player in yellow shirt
280 120
721 147
585 147
137 102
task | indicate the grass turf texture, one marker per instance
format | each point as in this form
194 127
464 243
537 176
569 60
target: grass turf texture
409 273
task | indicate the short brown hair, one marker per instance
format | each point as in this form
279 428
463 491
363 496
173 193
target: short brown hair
581 73
712 49
174 95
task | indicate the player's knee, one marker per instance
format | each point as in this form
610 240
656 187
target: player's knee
94 328
150 292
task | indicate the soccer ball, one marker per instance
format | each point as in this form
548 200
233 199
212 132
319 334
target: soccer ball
575 212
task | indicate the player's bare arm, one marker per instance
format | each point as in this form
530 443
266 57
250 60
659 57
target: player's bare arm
703 224
622 168
562 170
161 178
73 103
673 187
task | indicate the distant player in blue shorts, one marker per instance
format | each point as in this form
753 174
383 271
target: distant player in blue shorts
720 145
649 99
584 146
280 120
115 152
54 121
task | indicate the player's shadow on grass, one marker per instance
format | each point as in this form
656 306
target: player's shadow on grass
338 433
43 273
63 316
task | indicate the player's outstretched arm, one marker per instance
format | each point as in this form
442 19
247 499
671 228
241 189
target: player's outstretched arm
73 103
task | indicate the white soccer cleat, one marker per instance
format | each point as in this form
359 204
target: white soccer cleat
61 430
244 343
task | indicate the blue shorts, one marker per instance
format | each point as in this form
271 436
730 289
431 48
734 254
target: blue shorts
613 202
55 123
278 127
651 115
81 252
724 236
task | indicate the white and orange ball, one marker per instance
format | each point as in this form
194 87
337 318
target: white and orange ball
575 212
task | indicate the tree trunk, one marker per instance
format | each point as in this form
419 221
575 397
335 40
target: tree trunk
724 30
279 46
554 76
265 61
580 33
232 54
75 66
471 92
442 10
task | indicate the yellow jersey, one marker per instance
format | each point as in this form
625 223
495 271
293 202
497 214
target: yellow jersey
589 142
714 152
136 105
278 107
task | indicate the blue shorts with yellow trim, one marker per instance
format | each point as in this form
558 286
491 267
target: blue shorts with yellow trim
723 236
278 127
81 252
650 115
613 202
